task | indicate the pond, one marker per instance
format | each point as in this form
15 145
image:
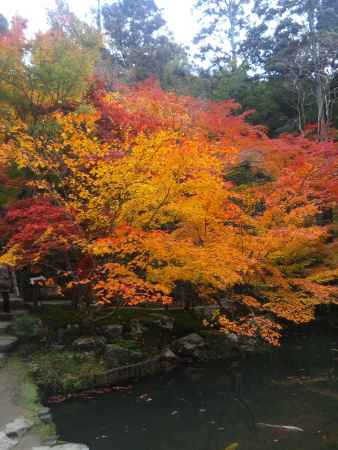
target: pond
213 407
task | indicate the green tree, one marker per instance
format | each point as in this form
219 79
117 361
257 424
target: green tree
222 23
297 41
139 42
48 73
3 24
267 99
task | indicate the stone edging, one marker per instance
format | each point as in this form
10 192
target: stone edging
124 373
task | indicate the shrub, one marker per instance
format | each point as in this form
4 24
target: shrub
26 326
65 372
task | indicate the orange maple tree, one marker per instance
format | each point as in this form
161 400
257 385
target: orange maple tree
148 186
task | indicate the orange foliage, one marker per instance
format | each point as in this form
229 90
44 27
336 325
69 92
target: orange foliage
146 180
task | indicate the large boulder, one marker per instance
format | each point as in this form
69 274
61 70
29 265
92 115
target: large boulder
88 344
168 355
136 328
190 345
162 321
18 427
221 346
113 331
118 355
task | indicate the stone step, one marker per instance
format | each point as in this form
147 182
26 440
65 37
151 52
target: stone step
4 327
3 358
6 317
7 343
14 304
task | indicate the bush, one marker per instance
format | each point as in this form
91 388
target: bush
26 326
65 372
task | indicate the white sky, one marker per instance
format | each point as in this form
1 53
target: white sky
176 12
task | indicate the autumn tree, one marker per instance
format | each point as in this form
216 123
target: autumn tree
153 182
50 72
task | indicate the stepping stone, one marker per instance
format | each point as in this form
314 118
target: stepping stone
7 343
18 427
3 358
4 327
6 316
15 304
6 443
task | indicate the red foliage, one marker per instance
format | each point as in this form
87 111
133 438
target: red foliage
41 228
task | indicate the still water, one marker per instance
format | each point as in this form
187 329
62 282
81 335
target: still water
211 408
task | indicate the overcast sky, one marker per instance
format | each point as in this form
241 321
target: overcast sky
176 12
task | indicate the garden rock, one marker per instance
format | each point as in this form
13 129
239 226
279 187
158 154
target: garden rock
45 415
87 344
249 345
190 345
162 321
113 331
136 329
168 354
7 343
117 355
18 427
219 346
6 443
233 338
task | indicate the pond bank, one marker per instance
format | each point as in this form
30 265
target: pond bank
68 357
211 407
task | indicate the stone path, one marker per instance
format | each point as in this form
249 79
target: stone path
13 425
15 428
7 341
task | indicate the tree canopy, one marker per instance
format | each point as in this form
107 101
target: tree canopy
132 194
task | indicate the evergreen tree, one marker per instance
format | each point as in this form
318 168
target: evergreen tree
138 40
297 42
223 22
3 24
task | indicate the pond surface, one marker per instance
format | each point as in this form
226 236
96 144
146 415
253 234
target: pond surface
211 408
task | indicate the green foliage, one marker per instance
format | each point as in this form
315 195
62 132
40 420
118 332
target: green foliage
246 174
222 24
296 42
26 326
139 44
50 72
56 317
65 372
3 24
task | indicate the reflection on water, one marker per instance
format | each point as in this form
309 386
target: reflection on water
211 408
